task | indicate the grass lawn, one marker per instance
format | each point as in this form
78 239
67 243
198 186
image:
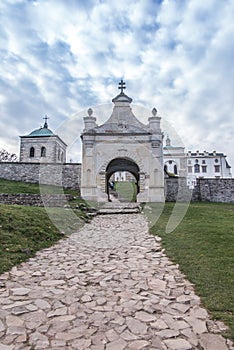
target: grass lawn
203 245
25 230
126 190
14 187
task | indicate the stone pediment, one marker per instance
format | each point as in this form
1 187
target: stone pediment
121 127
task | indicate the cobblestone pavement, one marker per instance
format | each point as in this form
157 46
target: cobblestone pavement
109 286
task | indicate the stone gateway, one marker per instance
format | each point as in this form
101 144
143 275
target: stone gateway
122 143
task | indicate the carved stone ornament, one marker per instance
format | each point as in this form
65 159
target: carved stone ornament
90 112
154 111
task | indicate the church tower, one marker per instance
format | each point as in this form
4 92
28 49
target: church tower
42 146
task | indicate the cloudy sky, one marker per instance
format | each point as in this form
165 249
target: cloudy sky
60 57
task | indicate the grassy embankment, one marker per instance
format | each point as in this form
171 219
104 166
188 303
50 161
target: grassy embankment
25 230
203 246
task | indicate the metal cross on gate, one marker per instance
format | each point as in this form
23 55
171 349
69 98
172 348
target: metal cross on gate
122 85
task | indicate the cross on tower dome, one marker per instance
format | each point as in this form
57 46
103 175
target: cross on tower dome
46 124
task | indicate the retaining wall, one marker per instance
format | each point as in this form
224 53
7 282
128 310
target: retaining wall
214 190
206 190
38 200
67 175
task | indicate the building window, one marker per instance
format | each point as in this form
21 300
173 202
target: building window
204 168
170 162
217 168
43 151
196 161
216 160
197 168
190 169
203 161
189 161
32 152
175 169
165 167
59 154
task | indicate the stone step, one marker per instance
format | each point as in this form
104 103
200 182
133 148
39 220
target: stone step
119 208
118 211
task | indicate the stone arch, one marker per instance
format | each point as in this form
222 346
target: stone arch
121 164
139 171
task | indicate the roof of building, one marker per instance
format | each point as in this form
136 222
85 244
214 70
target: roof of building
42 131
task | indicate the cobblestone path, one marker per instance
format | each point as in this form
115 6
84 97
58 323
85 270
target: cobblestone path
109 286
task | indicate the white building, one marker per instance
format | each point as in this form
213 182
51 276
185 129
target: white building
206 165
194 165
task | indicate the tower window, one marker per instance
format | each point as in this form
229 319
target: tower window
32 152
217 168
43 151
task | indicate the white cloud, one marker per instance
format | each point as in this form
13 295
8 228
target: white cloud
58 57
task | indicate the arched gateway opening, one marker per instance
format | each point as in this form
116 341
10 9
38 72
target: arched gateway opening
122 164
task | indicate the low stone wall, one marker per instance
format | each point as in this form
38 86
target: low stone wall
206 190
38 200
67 175
214 190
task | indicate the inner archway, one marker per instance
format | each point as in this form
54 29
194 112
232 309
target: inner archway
121 165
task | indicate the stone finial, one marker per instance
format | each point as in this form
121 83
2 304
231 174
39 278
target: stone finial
154 111
90 112
168 141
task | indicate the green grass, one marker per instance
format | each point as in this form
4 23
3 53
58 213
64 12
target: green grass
203 246
126 190
25 230
15 187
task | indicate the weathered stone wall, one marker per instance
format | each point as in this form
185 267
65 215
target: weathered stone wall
206 190
176 189
38 200
214 190
67 175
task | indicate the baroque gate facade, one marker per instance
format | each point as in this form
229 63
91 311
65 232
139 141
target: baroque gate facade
122 143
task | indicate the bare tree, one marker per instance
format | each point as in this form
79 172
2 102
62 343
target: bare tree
7 157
